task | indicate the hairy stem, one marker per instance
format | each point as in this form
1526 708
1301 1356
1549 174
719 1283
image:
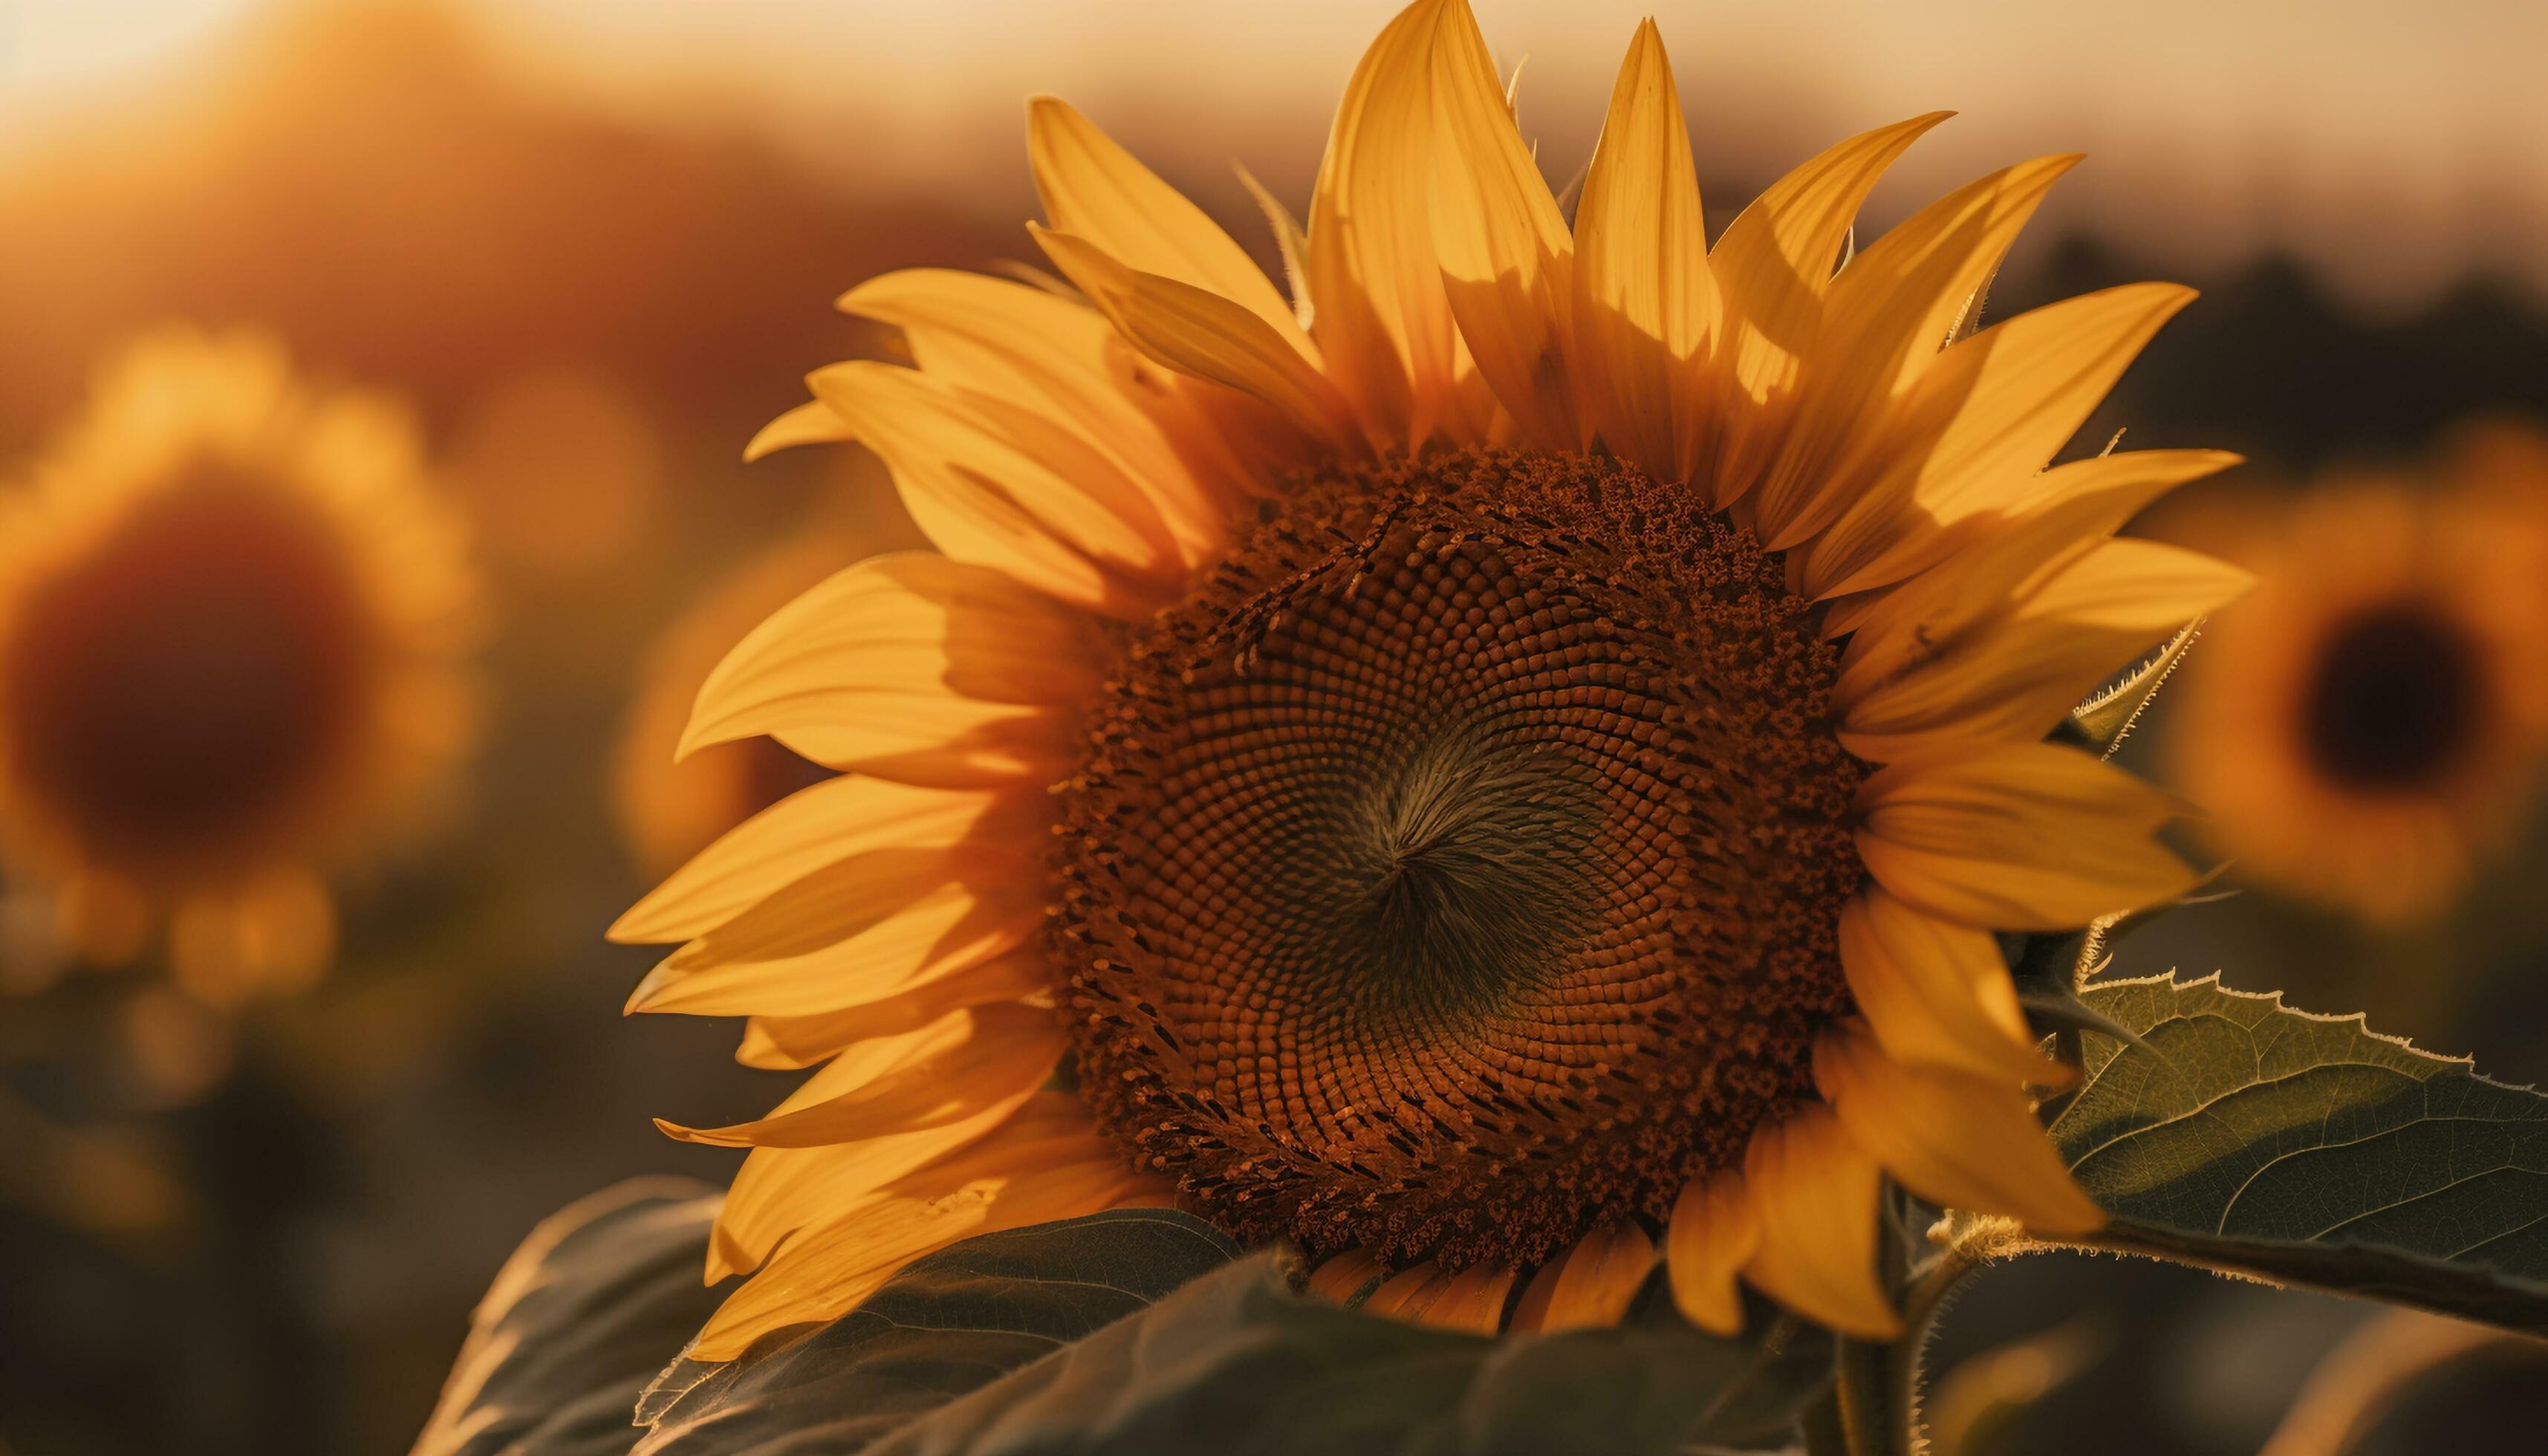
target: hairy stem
1866 1392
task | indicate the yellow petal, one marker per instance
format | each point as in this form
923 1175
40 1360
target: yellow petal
1772 269
1403 1294
1354 1274
1095 189
809 423
878 1058
1644 301
1057 355
937 740
1939 994
2015 674
827 1271
790 1043
1813 1193
1472 1300
1506 255
951 1071
2070 509
1711 1237
943 645
1844 616
1383 322
810 1280
2028 836
1590 1285
1883 327
1043 1161
994 483
1204 334
781 1190
813 968
792 838
1954 1139
1977 428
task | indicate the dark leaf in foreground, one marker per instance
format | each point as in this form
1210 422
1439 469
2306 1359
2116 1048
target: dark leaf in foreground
577 1323
1010 1345
2304 1149
1237 1363
941 1327
1134 1331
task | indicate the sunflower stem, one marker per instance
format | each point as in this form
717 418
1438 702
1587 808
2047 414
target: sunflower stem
1867 1391
1963 1248
1824 1436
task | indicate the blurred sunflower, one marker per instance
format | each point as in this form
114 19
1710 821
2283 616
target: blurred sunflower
233 620
1515 750
671 805
2367 725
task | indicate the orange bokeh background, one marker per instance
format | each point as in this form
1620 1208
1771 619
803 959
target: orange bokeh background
593 243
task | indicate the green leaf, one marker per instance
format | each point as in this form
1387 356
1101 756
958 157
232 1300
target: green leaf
1237 1362
1125 1332
578 1321
2249 1136
942 1327
992 1349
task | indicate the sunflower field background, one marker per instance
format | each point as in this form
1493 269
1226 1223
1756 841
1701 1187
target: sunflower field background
515 283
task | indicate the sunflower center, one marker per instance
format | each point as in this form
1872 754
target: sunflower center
2394 699
1454 871
191 681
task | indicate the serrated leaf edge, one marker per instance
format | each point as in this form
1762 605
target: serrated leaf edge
2357 1020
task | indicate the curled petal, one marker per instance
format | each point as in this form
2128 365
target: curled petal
1954 1139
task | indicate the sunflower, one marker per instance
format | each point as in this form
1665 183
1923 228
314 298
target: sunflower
671 803
233 624
2368 725
1502 768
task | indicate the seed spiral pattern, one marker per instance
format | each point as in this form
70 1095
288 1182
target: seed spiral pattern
1455 869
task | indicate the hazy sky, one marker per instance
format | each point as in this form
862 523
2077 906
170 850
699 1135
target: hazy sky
2395 144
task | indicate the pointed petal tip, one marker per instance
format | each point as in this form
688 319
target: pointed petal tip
624 931
2168 298
762 446
650 990
696 736
703 1136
